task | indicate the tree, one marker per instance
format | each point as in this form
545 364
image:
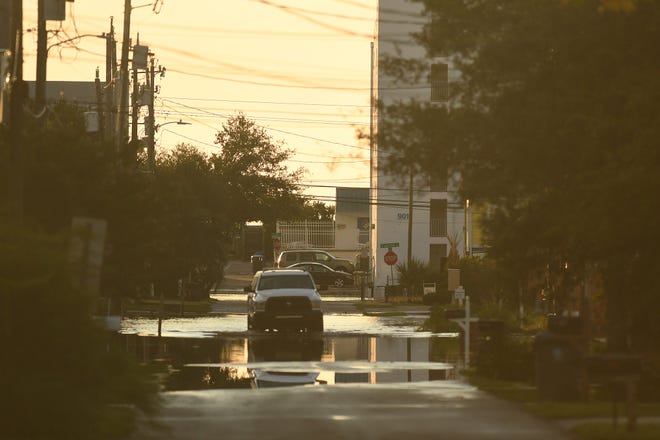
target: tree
259 185
555 123
175 224
57 362
317 211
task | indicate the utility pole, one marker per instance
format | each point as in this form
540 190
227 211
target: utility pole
122 110
151 119
17 93
468 251
99 104
42 56
410 217
373 191
135 106
110 74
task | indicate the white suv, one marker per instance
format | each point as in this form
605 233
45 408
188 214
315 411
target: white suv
284 299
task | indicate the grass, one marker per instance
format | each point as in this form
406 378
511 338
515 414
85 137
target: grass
153 305
527 397
405 299
605 431
585 410
393 313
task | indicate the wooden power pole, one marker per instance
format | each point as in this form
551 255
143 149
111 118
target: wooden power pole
122 108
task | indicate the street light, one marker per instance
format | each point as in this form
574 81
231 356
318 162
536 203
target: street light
151 148
179 122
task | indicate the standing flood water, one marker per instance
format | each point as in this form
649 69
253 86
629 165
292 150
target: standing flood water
196 363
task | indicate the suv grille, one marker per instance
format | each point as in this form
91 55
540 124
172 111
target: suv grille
288 305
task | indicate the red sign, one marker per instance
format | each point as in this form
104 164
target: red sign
390 258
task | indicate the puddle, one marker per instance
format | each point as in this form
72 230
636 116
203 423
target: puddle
258 361
211 326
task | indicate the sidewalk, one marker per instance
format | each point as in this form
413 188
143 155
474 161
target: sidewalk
238 274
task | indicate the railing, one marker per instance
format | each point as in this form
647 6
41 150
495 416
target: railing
438 227
307 234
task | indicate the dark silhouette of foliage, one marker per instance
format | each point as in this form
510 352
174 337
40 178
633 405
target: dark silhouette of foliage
59 376
554 123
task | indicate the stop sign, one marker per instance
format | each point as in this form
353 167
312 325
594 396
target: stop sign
390 258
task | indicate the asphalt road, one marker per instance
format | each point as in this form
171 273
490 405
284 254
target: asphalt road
439 409
431 410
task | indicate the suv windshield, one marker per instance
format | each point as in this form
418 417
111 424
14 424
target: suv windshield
302 281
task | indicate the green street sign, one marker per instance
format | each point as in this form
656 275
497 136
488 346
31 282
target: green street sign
389 245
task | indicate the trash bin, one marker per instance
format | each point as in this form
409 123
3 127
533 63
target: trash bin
558 366
257 262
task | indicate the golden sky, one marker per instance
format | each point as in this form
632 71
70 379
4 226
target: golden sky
301 69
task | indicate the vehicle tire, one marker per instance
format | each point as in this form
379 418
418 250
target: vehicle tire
257 324
339 282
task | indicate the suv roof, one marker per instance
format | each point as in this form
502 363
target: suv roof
283 279
305 250
277 272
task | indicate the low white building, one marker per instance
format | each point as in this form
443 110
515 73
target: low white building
344 237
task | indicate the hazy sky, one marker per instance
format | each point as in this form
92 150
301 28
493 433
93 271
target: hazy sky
301 69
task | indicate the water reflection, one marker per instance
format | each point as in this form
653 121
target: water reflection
295 359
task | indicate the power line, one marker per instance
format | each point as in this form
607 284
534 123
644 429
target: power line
268 84
270 128
295 13
265 102
282 119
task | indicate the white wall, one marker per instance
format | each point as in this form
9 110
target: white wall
396 21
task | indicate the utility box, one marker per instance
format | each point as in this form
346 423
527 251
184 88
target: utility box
558 366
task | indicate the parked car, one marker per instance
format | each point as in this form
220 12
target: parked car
325 276
284 299
292 256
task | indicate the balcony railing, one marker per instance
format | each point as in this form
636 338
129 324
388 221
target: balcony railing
438 227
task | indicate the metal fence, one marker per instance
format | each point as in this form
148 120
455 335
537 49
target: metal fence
307 234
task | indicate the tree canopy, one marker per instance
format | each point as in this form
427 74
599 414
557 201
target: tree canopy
175 223
554 122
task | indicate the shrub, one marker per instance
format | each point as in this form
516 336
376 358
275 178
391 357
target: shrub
508 358
59 377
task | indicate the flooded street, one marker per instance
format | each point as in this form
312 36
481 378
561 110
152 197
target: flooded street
218 351
369 375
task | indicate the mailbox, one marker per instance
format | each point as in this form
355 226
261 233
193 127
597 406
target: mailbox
455 314
614 366
565 325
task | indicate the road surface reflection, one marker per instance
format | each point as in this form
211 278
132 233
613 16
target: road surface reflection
263 360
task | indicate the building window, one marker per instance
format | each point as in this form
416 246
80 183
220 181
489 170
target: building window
438 218
439 80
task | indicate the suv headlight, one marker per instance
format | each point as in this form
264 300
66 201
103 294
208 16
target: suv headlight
259 303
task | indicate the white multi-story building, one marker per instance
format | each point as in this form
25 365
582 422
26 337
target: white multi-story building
437 213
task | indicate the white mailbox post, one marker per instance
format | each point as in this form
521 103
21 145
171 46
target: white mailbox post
463 319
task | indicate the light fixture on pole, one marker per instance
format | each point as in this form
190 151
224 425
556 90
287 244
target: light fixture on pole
151 148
